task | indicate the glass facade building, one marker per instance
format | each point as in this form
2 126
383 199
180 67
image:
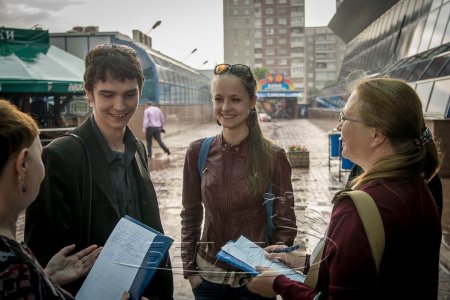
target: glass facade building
409 39
167 81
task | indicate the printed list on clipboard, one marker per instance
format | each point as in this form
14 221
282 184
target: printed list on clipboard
245 255
131 256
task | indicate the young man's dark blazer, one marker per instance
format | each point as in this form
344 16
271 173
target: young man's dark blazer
54 219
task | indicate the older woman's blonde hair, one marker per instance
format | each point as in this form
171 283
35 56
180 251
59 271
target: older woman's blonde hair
395 109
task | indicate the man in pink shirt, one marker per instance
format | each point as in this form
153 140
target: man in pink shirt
152 126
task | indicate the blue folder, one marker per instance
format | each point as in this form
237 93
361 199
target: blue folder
238 264
150 264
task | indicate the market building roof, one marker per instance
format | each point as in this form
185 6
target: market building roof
29 64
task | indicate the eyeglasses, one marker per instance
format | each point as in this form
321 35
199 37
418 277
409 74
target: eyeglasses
237 69
343 118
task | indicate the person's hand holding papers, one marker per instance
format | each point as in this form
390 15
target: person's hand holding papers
263 283
293 259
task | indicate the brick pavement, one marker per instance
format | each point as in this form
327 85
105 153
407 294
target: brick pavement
313 187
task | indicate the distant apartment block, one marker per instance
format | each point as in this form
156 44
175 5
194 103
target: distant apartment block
324 54
271 34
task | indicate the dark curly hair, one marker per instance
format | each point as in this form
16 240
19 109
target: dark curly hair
112 62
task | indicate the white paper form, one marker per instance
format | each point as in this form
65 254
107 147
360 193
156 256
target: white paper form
118 263
253 255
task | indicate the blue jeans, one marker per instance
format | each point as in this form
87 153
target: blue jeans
211 291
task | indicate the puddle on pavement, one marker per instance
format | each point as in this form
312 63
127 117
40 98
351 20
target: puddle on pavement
159 162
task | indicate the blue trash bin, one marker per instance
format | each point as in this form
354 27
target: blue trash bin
346 164
334 137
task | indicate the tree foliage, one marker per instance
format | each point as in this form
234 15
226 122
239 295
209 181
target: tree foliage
260 73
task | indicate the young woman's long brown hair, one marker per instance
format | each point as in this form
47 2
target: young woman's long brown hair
259 167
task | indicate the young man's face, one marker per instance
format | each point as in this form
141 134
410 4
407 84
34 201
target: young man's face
114 103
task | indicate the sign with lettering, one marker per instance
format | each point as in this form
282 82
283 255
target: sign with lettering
15 35
6 34
275 82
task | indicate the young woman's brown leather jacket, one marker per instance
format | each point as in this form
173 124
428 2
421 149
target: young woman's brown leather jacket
229 210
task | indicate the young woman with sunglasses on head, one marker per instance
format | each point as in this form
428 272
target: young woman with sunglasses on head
241 166
384 132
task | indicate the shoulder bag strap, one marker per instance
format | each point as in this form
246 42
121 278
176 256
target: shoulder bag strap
372 223
203 154
373 226
86 204
314 266
140 154
269 198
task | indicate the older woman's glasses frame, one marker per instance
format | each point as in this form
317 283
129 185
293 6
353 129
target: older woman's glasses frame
237 69
343 118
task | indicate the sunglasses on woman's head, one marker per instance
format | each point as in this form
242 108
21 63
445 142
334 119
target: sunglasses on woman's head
237 69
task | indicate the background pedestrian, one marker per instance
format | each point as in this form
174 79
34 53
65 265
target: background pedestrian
153 125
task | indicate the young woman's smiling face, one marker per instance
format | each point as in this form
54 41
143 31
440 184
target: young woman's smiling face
232 102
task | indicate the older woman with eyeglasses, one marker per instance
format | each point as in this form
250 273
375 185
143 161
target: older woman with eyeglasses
241 166
384 132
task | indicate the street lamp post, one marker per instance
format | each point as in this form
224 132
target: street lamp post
192 52
157 23
204 63
145 38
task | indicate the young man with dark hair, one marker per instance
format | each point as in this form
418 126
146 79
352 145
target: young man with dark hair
101 174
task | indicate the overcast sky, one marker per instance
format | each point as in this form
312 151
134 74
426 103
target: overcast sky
186 24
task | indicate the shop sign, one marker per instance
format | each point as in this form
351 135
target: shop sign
75 87
6 34
34 36
275 82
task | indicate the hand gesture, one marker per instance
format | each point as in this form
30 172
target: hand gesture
294 259
64 268
263 283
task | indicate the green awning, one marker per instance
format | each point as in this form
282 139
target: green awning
30 65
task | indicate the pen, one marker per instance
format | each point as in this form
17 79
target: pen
287 249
